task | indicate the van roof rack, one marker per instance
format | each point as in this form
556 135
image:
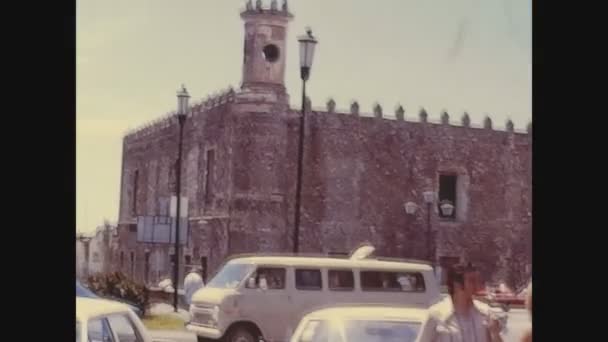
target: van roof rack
410 261
320 255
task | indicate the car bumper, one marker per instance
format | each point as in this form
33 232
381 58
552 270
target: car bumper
202 331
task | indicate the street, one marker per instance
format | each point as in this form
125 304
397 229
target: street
518 323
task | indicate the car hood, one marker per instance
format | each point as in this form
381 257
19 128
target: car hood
213 296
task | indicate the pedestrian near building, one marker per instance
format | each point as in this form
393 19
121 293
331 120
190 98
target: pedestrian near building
459 318
192 283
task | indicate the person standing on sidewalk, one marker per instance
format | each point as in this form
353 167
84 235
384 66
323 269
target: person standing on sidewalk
192 283
459 317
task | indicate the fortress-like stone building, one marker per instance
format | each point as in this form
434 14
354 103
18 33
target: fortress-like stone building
239 175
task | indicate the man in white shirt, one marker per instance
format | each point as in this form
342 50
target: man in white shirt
192 283
459 318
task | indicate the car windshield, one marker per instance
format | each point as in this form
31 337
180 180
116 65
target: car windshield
381 331
82 291
230 276
360 331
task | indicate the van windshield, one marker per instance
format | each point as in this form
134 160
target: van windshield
230 276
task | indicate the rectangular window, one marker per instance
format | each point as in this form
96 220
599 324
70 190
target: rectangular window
133 228
341 280
122 259
147 268
135 191
308 280
209 175
447 195
392 281
99 331
270 278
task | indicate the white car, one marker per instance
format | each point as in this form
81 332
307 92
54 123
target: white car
364 323
99 320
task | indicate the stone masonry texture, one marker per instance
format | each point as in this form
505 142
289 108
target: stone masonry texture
239 175
358 173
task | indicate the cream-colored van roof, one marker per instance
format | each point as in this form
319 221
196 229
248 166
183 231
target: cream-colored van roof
331 262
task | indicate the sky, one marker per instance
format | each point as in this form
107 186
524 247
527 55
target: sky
132 56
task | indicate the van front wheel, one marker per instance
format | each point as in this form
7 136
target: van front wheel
240 334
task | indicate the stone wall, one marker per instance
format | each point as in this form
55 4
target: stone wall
359 170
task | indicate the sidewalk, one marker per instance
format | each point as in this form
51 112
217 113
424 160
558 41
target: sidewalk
161 309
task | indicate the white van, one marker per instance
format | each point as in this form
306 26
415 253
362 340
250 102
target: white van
264 297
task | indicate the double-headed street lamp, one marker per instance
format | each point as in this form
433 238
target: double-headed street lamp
182 111
307 52
446 209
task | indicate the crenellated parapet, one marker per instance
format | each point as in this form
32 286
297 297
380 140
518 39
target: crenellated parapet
165 121
271 8
423 117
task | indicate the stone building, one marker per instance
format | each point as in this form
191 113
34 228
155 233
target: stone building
239 175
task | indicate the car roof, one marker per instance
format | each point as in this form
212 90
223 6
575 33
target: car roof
375 311
332 262
87 308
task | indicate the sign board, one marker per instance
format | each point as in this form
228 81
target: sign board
161 230
183 207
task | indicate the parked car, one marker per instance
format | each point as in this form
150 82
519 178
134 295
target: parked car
366 322
262 296
82 291
506 300
100 320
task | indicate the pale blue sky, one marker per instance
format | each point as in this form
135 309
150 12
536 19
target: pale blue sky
458 55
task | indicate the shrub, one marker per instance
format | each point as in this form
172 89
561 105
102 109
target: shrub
118 286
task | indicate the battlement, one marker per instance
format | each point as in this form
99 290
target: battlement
272 9
212 101
422 117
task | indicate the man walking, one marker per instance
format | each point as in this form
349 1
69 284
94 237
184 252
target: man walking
192 283
459 318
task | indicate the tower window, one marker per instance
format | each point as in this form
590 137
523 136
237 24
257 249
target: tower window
447 194
209 175
271 53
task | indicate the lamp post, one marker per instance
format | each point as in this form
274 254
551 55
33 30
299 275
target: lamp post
307 51
182 110
429 198
410 209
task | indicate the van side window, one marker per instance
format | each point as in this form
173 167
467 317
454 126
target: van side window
308 280
341 280
270 278
392 281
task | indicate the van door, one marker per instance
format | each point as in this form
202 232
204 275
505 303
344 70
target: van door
309 292
264 302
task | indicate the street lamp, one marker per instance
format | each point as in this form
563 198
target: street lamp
307 51
447 208
410 209
182 110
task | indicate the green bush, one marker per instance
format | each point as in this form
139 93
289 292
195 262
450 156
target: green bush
118 286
